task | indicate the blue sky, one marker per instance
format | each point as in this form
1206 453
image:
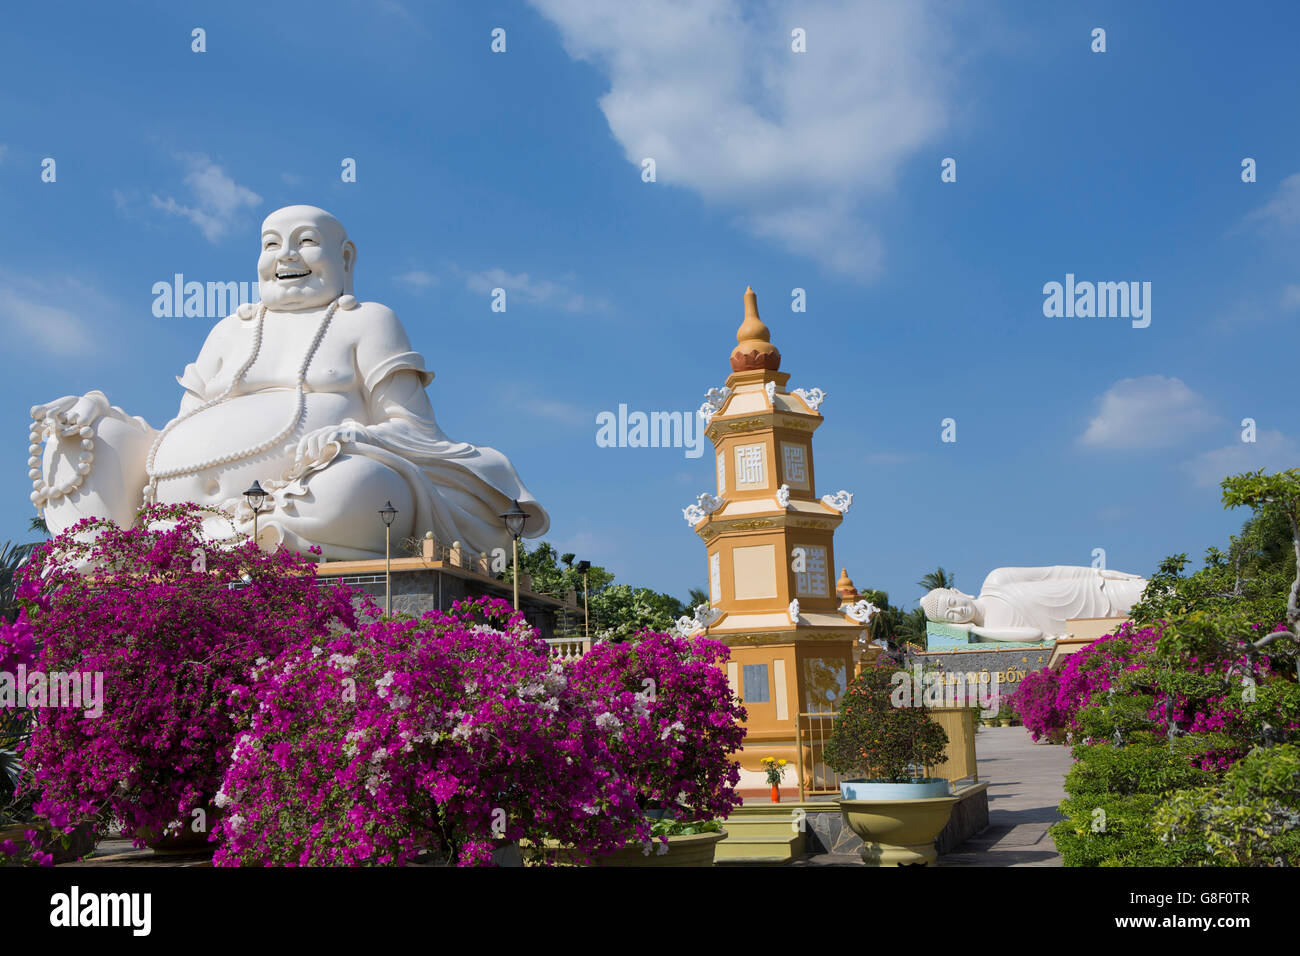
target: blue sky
818 170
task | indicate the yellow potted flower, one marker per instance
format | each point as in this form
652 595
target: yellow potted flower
775 774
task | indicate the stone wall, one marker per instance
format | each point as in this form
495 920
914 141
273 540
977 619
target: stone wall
417 591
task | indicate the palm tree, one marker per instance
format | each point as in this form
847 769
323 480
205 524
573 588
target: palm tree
12 558
938 578
38 524
697 597
911 629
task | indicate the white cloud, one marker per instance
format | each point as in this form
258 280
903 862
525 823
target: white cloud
793 143
550 409
418 278
1271 450
218 202
1148 412
1283 209
46 313
533 290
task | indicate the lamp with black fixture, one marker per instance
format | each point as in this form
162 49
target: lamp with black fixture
255 496
388 513
515 519
584 567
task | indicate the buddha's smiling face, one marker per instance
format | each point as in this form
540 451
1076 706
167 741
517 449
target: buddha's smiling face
306 260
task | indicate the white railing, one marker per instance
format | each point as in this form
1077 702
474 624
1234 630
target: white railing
567 648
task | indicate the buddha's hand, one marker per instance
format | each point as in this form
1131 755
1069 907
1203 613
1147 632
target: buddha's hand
313 446
69 414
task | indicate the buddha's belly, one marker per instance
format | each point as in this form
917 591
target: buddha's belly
237 427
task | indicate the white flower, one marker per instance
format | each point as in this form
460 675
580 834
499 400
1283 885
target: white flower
221 800
556 680
343 662
608 721
384 683
676 725
350 742
236 821
663 848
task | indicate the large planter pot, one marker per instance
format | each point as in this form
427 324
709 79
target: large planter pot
695 849
186 841
897 822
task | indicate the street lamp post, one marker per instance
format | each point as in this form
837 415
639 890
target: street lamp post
255 496
514 519
388 513
584 567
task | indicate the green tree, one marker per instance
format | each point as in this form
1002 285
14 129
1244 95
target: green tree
618 611
1273 496
12 558
1252 576
938 578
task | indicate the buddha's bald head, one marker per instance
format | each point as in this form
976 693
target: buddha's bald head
307 259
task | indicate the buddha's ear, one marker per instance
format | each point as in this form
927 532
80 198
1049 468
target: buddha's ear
349 264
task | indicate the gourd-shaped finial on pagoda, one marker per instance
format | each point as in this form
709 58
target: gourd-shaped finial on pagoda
754 348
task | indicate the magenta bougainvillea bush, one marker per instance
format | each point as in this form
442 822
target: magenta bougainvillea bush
17 643
1048 700
441 738
686 719
236 684
1187 691
173 626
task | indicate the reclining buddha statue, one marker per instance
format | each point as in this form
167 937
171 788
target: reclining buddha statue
1034 604
314 395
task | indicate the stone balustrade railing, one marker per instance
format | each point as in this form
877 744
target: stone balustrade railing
567 648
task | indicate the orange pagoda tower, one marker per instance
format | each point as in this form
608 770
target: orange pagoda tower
794 636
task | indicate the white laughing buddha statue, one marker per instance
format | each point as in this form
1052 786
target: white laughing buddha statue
1032 604
316 396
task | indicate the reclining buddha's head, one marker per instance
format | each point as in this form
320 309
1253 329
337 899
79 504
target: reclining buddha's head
949 606
306 261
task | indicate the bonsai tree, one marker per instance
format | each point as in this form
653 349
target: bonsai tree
883 741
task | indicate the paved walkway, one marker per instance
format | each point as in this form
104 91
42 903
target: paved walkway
1026 784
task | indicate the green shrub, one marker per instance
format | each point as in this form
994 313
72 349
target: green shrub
1250 818
1105 829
